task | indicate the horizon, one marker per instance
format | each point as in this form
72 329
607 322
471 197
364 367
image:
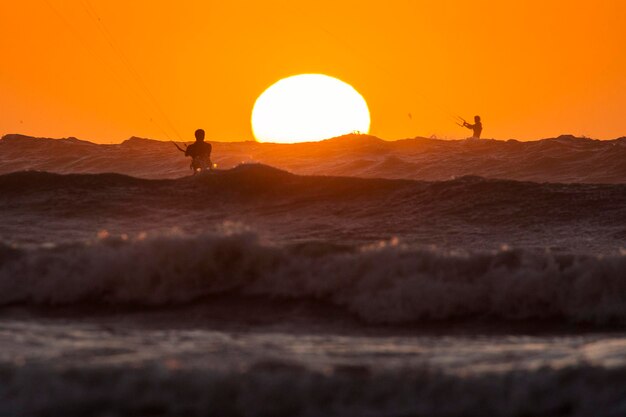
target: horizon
83 69
346 136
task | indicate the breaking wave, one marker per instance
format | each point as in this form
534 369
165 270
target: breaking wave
382 283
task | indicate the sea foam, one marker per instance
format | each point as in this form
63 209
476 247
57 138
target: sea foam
382 283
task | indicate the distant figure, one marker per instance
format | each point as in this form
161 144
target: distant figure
200 152
477 127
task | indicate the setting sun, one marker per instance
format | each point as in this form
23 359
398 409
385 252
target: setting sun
308 108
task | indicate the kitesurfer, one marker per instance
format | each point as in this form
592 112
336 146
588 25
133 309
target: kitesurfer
477 127
200 152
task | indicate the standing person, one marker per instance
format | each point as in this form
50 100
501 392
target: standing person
200 152
477 127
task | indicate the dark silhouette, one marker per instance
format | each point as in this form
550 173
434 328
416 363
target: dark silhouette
477 127
200 152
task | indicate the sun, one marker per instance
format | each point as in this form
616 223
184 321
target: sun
308 108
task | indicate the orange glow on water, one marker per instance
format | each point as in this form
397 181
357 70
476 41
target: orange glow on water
105 70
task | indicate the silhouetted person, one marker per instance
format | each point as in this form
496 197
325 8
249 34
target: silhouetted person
200 152
477 127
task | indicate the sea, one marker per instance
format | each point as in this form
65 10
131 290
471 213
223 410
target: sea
349 277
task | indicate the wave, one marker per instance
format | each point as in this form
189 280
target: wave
254 186
565 159
283 389
387 283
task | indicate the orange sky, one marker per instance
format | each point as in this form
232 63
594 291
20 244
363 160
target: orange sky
105 70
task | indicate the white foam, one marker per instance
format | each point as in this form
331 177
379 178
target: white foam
386 283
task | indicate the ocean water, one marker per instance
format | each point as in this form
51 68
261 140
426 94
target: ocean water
342 278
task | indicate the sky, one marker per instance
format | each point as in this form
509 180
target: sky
106 70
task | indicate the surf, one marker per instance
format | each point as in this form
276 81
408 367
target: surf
384 283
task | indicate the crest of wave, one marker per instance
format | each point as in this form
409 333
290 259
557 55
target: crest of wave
384 283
